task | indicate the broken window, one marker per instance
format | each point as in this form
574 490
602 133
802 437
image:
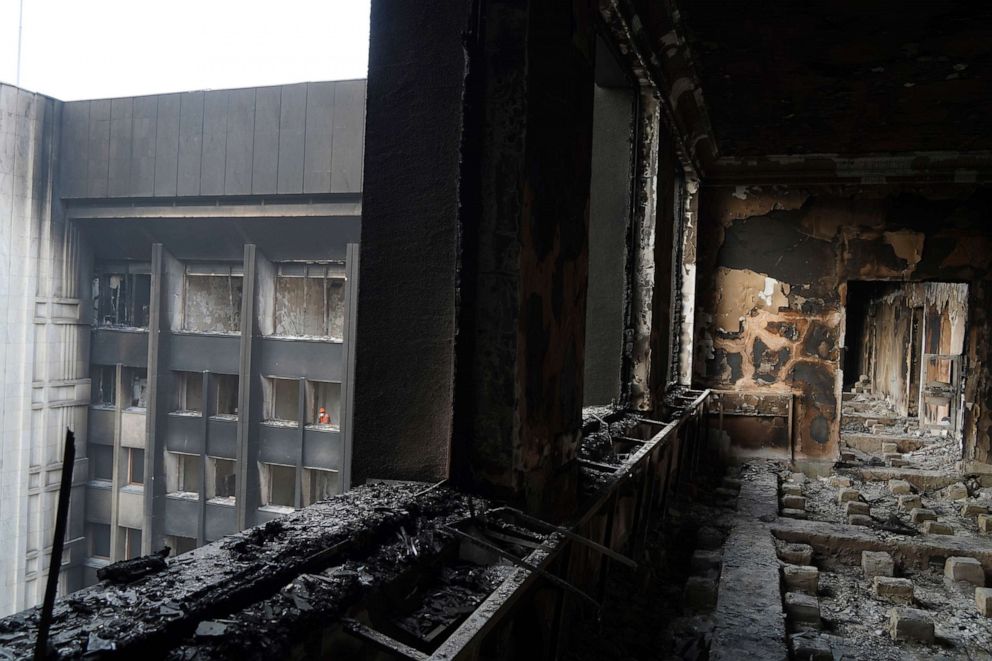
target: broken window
222 480
227 394
122 295
103 385
101 462
135 380
278 485
323 403
183 476
282 400
189 392
132 542
319 485
98 535
180 545
135 466
310 300
212 303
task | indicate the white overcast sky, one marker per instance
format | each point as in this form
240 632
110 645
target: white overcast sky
87 49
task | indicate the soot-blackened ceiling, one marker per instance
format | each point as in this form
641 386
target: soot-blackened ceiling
843 76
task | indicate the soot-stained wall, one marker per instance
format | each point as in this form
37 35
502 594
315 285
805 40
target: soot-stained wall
774 262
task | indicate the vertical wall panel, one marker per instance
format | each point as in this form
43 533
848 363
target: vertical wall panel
349 128
240 136
98 149
75 138
120 147
214 143
292 134
143 146
167 145
319 138
190 143
265 155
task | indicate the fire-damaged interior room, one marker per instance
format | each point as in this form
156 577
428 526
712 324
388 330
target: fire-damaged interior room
578 330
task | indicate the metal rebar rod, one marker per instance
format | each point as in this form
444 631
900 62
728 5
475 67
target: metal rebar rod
619 557
55 562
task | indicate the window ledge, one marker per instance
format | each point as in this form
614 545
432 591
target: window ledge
323 428
277 509
289 424
183 495
225 417
186 414
133 488
202 333
100 483
223 501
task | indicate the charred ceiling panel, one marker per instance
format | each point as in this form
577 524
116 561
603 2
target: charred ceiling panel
774 261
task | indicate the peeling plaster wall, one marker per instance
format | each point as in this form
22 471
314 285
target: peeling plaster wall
773 266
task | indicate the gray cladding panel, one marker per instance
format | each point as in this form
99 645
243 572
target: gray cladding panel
278 445
98 504
304 138
167 145
181 516
319 138
322 449
98 149
109 347
190 143
292 137
240 136
212 163
221 521
75 142
144 120
184 433
214 353
101 426
121 131
320 361
349 128
222 438
265 151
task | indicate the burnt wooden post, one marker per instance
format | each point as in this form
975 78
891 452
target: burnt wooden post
55 563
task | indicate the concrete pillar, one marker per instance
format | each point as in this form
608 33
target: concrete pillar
498 217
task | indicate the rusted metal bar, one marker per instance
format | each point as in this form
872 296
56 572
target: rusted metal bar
562 583
55 562
382 641
575 537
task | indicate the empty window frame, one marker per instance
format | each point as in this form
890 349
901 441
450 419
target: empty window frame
98 536
132 542
226 386
221 478
278 485
134 380
319 485
122 295
189 393
310 300
183 473
323 395
212 300
101 461
135 466
281 400
103 385
179 544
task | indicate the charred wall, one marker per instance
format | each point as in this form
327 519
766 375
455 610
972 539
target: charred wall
774 263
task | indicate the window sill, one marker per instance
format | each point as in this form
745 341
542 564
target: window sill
183 495
223 501
323 428
100 483
286 424
186 414
225 417
133 488
277 509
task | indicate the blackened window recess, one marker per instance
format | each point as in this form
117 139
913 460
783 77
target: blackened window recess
309 300
212 298
121 295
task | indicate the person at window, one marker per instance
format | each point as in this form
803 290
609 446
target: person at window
323 417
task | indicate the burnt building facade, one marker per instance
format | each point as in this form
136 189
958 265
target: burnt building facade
198 339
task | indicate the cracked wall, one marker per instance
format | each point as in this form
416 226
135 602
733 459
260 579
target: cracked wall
774 262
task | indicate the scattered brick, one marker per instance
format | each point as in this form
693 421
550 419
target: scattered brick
920 515
910 624
846 494
801 578
968 570
802 608
700 592
792 490
839 481
984 523
936 528
956 491
794 502
973 509
899 590
856 507
900 487
983 598
704 559
910 502
796 554
860 520
794 514
877 563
